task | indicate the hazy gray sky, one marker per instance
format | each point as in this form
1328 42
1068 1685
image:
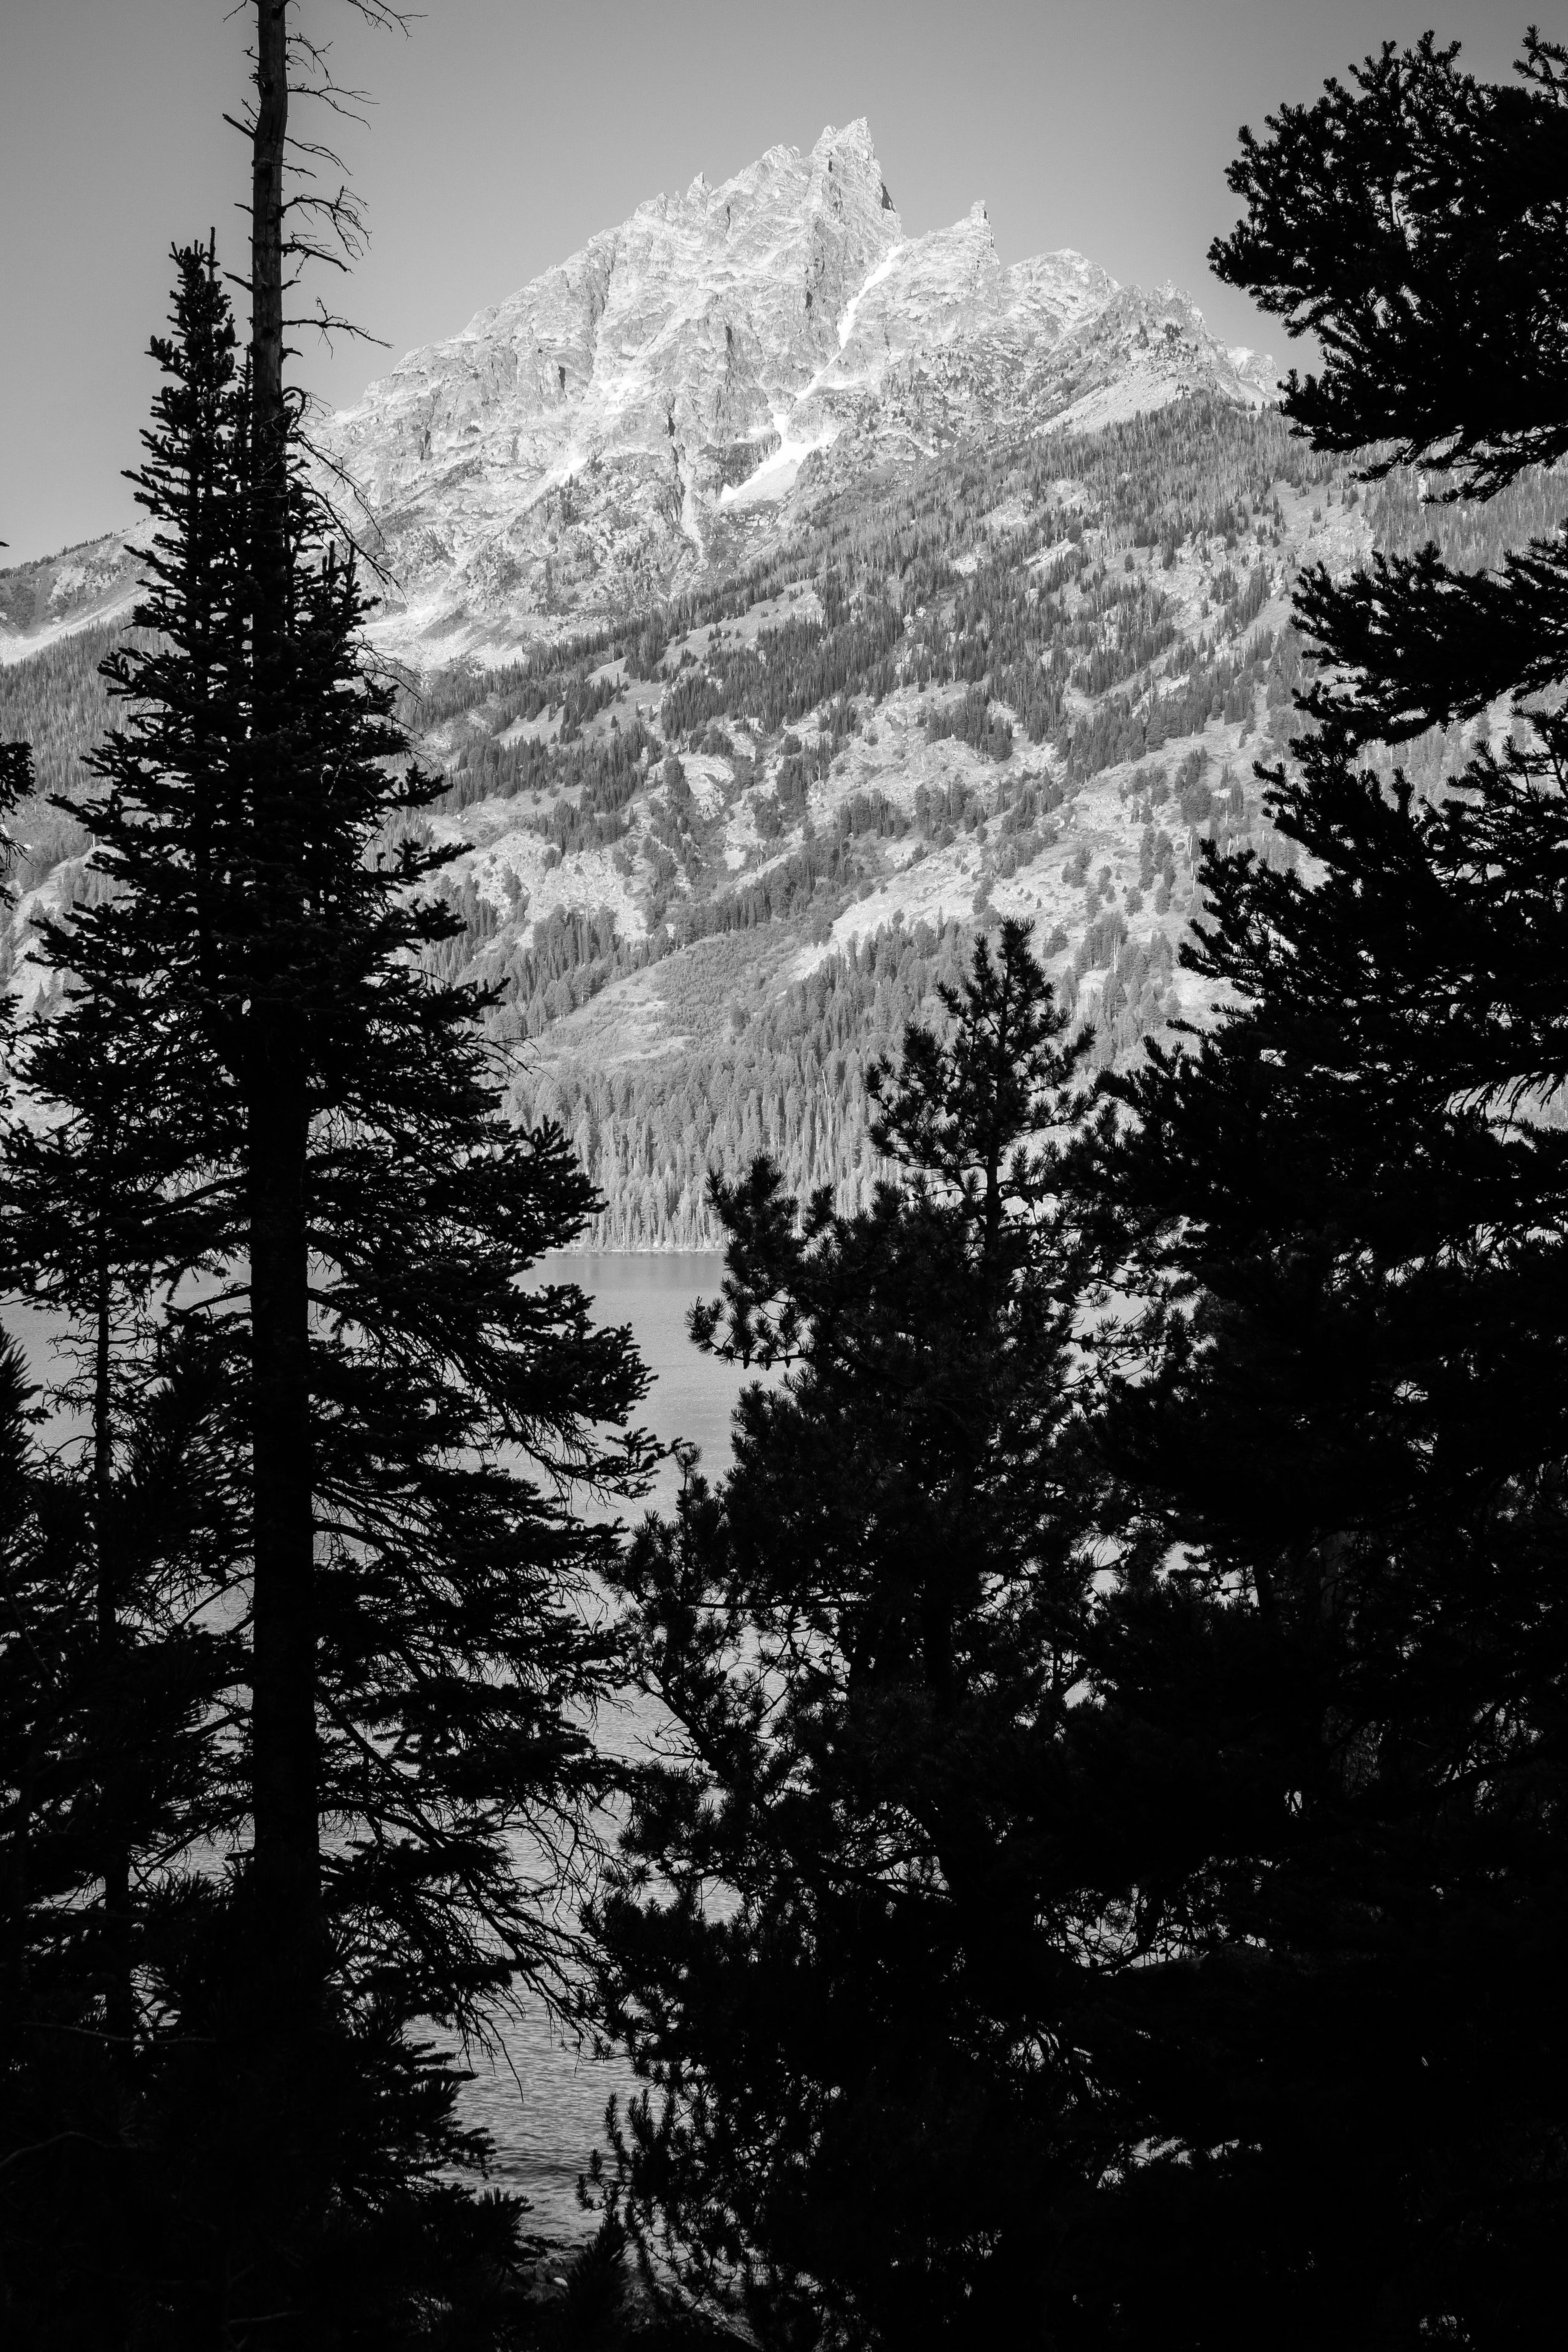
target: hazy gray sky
506 133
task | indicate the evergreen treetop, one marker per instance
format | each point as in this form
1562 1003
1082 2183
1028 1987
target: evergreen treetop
869 1637
254 1111
1413 223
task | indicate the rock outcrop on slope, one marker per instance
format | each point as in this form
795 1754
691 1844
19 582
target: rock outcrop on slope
654 406
56 596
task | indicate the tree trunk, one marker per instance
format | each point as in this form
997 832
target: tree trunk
119 2004
282 1954
286 1864
283 1719
266 239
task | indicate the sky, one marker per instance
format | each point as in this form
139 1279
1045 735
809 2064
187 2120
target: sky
503 133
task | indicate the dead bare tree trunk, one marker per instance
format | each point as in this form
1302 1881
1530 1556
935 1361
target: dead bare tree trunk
283 1921
287 1862
119 2006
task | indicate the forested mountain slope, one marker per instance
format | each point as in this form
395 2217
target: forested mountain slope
777 597
714 853
48 600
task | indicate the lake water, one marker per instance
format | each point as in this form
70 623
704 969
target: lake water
692 1396
543 2100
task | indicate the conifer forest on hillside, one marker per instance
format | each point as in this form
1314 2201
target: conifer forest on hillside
1088 732
1078 917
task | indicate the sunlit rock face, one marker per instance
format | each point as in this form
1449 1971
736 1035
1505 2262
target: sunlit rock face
644 411
58 595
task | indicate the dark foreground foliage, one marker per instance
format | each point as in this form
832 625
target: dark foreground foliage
1130 1907
870 1637
296 1649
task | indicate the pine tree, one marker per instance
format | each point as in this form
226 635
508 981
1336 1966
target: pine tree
16 784
112 1770
839 1943
88 1206
106 1763
16 772
1343 1691
269 911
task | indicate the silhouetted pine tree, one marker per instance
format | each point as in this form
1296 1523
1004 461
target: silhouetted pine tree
1343 1694
16 784
101 1744
842 1943
133 1598
16 775
56 2087
268 914
94 1226
112 1770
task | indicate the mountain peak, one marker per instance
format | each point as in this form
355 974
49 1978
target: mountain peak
855 140
630 417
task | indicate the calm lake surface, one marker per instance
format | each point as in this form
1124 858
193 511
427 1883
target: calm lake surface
543 2100
692 1396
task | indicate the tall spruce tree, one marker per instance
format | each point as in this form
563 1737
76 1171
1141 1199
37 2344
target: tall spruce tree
111 1769
16 772
106 1755
318 1152
841 1946
450 1662
1344 1689
89 1208
16 784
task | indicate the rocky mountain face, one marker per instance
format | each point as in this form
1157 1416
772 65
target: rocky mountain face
791 597
711 852
58 595
658 410
654 409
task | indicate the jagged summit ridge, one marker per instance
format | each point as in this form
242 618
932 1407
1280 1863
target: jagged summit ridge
644 411
631 416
